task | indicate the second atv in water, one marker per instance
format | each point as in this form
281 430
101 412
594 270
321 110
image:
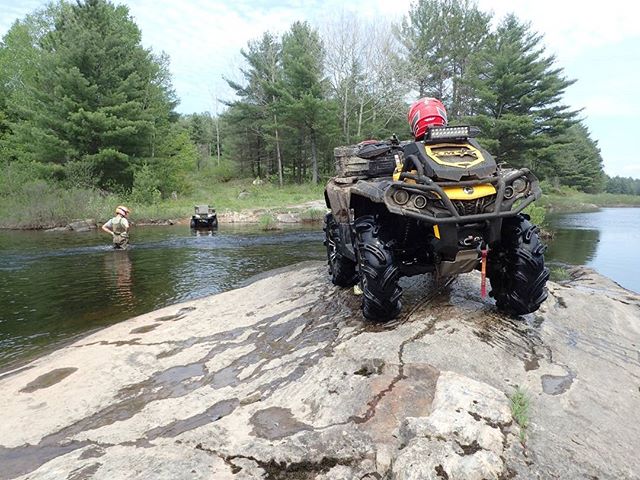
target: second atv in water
204 217
439 204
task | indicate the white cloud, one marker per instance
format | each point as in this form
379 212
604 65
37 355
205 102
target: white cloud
204 37
12 11
630 170
572 27
607 106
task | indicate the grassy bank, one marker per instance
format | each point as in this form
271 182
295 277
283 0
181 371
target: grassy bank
566 200
41 205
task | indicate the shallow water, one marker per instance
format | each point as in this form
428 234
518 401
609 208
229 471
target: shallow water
54 286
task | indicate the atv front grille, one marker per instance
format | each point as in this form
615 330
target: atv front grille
473 207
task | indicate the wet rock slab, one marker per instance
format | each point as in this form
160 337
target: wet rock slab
283 379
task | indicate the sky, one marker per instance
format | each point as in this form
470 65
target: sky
596 43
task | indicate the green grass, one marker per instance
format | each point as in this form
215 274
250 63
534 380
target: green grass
227 195
568 200
45 205
312 215
559 274
537 214
40 204
268 222
520 410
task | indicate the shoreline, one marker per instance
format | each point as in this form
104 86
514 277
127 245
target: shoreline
305 213
308 212
290 366
168 213
21 364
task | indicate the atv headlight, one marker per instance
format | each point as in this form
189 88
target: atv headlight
508 192
519 185
420 201
197 216
401 197
448 133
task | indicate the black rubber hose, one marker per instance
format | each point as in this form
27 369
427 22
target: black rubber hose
414 160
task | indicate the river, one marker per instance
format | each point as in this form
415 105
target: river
55 286
605 240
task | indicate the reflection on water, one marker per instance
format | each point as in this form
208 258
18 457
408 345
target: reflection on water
574 247
54 286
606 240
118 268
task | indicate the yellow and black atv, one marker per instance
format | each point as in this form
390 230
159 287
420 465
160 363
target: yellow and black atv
438 205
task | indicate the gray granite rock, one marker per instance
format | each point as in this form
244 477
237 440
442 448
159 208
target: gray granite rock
285 379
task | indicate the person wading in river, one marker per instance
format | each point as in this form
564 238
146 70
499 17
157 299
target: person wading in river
118 227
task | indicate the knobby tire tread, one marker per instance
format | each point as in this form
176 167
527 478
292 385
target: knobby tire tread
517 272
342 269
378 274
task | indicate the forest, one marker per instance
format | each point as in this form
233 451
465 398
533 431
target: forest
86 110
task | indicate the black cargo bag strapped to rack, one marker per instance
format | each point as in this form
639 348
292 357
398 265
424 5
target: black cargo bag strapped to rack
367 159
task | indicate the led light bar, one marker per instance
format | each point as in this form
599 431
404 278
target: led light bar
448 133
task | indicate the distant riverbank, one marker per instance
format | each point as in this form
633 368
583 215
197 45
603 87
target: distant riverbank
572 201
238 201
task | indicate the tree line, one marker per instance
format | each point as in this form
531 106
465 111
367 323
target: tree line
309 90
624 185
83 103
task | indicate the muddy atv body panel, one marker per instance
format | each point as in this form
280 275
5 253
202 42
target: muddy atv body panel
204 217
447 208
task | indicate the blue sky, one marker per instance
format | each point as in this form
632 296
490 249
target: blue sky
596 43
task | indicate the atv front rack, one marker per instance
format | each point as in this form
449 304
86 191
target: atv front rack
439 208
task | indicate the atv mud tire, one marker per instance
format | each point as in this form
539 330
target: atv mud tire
516 268
378 274
342 269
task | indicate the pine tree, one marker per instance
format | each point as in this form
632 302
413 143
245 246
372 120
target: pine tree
441 38
259 106
578 161
20 58
519 92
201 129
307 109
96 95
626 186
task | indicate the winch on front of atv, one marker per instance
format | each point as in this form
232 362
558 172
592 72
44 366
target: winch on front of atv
437 205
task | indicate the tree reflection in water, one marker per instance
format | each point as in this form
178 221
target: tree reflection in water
572 246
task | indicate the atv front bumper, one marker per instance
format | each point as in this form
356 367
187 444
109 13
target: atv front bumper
426 200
